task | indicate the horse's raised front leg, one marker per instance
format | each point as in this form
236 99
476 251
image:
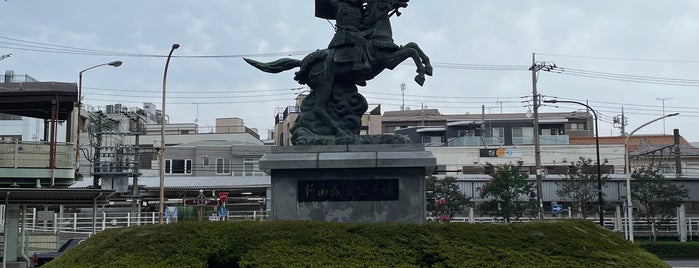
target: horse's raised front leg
400 55
423 56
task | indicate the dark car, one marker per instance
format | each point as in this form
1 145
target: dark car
40 258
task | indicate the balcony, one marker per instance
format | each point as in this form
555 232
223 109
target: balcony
23 163
482 141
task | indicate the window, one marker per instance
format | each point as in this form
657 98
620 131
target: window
251 167
576 126
666 169
496 136
432 139
498 133
178 166
522 135
205 161
223 166
549 131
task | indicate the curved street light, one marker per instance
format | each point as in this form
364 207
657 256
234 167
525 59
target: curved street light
599 167
161 198
627 169
80 106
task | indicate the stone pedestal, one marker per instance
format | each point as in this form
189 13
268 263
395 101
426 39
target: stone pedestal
349 183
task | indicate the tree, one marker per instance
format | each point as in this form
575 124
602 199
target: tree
579 185
659 198
510 190
444 199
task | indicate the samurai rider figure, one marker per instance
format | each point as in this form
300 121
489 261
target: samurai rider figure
349 41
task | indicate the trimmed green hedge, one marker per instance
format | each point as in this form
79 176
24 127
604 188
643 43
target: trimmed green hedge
673 250
574 243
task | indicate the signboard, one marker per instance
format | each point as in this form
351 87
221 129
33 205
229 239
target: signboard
556 208
501 152
44 215
348 190
488 152
200 202
214 217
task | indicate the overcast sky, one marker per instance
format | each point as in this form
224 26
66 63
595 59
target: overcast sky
639 55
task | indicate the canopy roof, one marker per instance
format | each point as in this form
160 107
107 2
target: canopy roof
50 196
35 99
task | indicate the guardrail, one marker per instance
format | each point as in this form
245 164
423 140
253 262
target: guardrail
83 222
641 227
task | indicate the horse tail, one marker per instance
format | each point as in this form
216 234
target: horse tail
276 66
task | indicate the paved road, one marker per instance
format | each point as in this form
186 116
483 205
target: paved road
682 263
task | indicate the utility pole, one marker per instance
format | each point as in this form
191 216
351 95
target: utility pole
422 114
536 67
537 149
620 122
623 122
402 92
663 100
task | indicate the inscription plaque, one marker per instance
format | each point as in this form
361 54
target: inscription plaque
348 190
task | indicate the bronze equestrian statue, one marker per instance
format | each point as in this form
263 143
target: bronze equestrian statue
361 48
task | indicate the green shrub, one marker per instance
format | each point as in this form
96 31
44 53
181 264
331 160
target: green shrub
314 244
673 250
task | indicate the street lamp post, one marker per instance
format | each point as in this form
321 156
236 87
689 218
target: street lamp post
80 106
599 165
161 198
627 169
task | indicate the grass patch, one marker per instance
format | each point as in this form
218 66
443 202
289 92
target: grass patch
575 243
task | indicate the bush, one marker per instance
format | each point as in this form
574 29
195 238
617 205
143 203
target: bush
574 243
673 250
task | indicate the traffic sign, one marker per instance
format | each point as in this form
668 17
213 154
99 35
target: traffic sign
556 208
223 212
223 196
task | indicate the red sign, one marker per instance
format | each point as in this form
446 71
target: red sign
223 196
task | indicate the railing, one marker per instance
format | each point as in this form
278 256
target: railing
641 227
34 155
83 222
480 141
554 139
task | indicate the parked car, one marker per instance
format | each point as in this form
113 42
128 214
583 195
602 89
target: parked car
40 258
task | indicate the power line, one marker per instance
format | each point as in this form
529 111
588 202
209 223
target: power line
194 92
625 77
618 59
26 45
212 102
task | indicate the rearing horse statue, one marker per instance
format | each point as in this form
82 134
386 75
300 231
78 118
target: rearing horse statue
331 113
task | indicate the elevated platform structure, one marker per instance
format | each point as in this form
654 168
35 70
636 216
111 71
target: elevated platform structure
44 163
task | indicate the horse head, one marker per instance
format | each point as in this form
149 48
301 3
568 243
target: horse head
382 9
